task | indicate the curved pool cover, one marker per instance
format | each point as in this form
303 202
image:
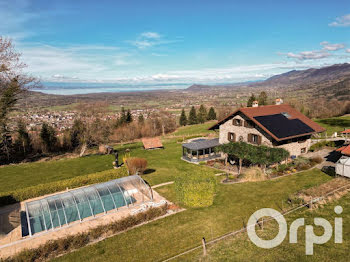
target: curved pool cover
75 205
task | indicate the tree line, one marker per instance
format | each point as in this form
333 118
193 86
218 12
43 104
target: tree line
197 118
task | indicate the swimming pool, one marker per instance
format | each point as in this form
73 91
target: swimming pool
75 205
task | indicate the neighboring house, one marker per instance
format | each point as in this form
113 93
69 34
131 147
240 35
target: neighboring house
277 125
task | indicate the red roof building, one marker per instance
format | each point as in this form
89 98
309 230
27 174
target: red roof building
152 143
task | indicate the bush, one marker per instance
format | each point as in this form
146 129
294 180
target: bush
19 195
195 190
56 247
316 159
136 165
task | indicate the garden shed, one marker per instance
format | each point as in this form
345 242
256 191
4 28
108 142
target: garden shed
342 167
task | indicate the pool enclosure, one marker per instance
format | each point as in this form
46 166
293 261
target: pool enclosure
76 205
200 150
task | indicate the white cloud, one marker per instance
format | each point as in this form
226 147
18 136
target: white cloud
348 50
331 47
149 39
151 35
309 55
342 21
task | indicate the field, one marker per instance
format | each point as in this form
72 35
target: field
166 237
240 248
334 124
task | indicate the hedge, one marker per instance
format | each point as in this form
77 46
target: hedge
195 190
60 246
19 195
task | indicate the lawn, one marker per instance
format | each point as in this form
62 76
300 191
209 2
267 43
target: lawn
29 174
194 129
240 248
334 124
166 237
163 165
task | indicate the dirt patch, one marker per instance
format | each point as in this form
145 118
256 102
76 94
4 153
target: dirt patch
322 194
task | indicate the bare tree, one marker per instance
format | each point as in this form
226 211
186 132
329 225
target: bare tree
13 82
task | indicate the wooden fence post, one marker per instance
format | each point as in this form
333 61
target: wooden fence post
204 247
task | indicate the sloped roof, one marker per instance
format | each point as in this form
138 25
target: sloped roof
347 131
151 143
345 150
199 144
253 113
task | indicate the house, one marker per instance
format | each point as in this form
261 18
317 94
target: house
278 125
200 149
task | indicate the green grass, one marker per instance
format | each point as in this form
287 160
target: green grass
240 248
334 124
194 129
163 165
30 174
166 237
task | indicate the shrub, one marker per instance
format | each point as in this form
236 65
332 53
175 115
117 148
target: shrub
253 174
195 190
136 165
316 159
18 195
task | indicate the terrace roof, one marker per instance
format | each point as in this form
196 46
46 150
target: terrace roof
202 143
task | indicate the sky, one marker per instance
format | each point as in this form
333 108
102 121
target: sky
167 42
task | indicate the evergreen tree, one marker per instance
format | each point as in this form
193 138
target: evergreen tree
23 139
122 119
192 118
251 100
211 114
202 114
128 117
183 118
141 119
48 137
262 99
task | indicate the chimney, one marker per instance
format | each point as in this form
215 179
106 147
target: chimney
255 104
279 101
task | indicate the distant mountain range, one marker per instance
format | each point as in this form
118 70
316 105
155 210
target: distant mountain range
329 82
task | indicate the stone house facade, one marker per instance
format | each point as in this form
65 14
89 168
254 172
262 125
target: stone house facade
275 126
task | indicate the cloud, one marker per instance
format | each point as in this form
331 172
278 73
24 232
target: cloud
331 47
152 35
309 55
342 21
150 39
348 50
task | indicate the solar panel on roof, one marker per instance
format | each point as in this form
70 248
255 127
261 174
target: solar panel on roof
282 127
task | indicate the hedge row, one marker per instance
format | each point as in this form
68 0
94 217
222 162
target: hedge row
195 190
56 247
19 195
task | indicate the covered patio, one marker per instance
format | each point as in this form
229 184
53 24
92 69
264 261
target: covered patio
200 150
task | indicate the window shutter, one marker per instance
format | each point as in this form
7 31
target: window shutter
245 124
249 138
259 140
228 136
233 137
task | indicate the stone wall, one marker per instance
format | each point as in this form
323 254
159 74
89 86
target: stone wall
240 131
294 148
